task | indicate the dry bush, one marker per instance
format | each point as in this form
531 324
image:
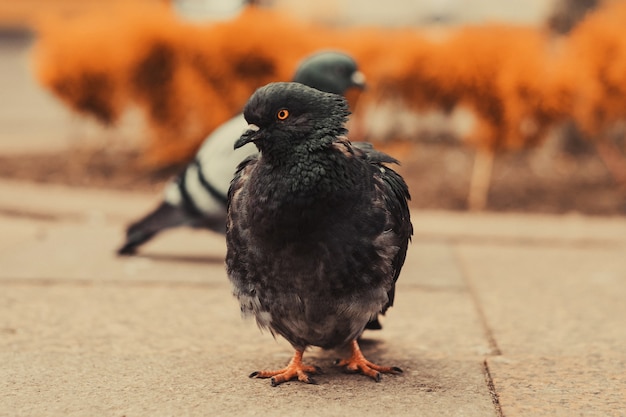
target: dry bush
499 72
594 62
188 78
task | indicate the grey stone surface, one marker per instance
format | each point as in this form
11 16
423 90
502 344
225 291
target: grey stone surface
558 315
495 315
559 300
590 385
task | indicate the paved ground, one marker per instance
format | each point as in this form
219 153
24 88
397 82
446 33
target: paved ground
496 315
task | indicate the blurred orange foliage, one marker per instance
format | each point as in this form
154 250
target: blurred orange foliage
594 63
188 78
499 72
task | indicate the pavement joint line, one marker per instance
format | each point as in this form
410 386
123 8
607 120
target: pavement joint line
58 216
491 340
188 259
433 288
155 283
522 241
30 214
49 282
495 398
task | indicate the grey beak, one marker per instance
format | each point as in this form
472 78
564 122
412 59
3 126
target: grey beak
247 137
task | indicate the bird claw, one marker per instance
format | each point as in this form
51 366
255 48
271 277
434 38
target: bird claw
279 379
287 374
357 363
294 370
368 368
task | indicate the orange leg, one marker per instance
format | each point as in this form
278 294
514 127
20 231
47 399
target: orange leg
294 369
357 363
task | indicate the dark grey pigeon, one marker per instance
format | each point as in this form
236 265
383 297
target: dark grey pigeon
317 230
197 196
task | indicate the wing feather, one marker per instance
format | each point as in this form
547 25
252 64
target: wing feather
396 196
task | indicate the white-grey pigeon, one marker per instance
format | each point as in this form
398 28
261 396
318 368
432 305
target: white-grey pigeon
197 196
317 227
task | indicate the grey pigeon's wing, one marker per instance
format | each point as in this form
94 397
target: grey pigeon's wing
238 234
373 155
396 195
240 177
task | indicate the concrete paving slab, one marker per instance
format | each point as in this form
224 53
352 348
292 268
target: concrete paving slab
517 228
86 251
544 300
557 315
591 385
435 265
59 202
18 231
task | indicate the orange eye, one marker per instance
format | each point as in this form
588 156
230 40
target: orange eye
282 114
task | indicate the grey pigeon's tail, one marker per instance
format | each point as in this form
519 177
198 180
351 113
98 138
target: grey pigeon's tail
163 217
374 324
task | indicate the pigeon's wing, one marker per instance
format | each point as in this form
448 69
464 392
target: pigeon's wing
237 222
242 270
395 194
373 155
242 174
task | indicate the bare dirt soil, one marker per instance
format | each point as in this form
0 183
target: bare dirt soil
548 179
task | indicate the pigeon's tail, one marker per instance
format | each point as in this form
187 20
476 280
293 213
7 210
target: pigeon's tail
163 217
374 324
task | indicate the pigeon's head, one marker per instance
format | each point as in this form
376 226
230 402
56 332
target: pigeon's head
286 116
330 71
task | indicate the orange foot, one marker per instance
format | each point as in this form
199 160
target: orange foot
295 369
357 363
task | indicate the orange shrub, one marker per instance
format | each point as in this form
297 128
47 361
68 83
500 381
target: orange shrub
594 61
188 78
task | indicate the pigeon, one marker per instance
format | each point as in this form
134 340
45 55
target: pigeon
317 228
197 196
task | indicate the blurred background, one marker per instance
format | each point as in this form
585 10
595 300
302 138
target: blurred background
489 105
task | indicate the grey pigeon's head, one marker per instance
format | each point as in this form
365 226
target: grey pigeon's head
330 71
285 116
